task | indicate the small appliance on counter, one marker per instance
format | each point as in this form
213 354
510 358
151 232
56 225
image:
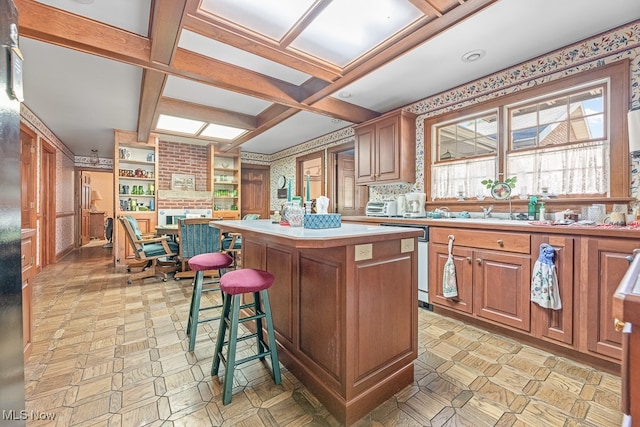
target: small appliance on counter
388 208
415 205
401 202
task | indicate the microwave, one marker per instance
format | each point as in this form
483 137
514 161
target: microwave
388 208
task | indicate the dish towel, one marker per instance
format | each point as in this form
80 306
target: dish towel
544 283
449 281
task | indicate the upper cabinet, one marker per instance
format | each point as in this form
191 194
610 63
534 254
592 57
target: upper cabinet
386 149
226 184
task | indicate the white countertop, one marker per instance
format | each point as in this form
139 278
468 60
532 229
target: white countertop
347 230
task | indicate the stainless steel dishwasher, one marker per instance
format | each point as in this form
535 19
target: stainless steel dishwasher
423 261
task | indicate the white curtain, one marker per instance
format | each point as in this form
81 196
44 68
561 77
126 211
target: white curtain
575 169
464 176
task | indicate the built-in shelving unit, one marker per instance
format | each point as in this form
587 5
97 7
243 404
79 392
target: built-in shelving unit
135 188
226 184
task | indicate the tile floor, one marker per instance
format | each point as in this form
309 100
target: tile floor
110 354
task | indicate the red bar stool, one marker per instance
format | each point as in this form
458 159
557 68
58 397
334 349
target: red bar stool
233 284
199 264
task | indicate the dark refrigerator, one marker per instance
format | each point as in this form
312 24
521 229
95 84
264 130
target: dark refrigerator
11 358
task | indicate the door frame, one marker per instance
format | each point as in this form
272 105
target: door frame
47 213
332 169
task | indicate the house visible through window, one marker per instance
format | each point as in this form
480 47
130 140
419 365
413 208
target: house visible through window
559 144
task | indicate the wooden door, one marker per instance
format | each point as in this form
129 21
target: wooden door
502 284
351 198
47 204
254 190
85 208
28 177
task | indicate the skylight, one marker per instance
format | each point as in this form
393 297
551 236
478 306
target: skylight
221 132
346 29
178 124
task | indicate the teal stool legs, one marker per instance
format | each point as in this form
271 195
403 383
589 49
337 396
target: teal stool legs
200 264
194 311
231 320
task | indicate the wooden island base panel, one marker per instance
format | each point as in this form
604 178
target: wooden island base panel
343 305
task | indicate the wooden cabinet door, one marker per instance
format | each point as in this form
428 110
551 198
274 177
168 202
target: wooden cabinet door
607 264
462 258
556 325
365 152
501 288
388 149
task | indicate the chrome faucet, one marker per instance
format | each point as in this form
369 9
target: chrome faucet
486 212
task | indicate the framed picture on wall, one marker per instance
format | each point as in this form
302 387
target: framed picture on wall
183 182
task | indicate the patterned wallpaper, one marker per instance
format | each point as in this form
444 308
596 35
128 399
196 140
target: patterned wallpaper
606 48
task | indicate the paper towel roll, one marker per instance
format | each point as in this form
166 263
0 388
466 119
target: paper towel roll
633 123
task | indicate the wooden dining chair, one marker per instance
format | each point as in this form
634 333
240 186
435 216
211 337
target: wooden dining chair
232 242
156 254
195 237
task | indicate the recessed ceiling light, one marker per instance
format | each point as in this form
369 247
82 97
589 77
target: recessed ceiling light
473 55
345 94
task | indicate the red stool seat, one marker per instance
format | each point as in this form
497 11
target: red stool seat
210 261
245 280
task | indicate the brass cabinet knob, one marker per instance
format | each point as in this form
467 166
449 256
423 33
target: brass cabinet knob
469 259
618 325
500 242
24 257
479 261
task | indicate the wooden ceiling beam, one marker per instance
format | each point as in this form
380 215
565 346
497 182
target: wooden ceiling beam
425 7
266 120
304 21
166 24
150 92
166 19
50 25
269 49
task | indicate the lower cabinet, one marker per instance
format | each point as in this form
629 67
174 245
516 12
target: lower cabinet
462 257
494 271
493 274
607 262
557 325
502 288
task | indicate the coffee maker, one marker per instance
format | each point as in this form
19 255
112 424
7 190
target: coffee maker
415 205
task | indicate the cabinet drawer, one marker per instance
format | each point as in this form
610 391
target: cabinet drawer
502 241
26 250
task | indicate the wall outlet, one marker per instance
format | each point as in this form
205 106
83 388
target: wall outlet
364 252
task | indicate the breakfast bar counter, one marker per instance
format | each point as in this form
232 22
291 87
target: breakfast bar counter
344 306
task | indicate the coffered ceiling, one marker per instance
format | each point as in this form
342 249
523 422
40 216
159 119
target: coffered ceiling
281 71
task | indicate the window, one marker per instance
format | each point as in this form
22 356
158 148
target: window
468 138
559 138
467 151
